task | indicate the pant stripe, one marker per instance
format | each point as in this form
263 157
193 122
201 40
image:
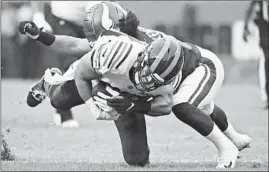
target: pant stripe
200 85
207 87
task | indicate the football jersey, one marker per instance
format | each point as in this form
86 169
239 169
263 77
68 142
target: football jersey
113 56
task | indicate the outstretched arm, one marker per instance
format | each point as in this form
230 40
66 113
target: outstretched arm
70 45
60 43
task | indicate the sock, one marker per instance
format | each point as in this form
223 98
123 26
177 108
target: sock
65 114
219 139
230 132
220 118
49 88
194 117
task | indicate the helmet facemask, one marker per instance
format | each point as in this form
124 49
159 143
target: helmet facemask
144 79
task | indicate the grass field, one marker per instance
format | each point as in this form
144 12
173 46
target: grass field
38 145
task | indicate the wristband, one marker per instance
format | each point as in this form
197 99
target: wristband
46 38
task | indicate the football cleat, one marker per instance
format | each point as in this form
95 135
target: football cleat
243 141
37 93
228 158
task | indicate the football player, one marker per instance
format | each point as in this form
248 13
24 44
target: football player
258 12
194 89
119 54
66 18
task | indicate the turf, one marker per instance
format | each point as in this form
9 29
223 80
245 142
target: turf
38 145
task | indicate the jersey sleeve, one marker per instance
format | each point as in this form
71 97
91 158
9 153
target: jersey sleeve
110 53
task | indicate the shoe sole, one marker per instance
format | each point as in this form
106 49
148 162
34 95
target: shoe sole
31 101
247 146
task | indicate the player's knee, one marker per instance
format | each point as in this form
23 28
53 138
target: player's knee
58 103
137 159
194 117
54 103
183 111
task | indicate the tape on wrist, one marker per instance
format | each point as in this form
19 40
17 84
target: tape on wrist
46 38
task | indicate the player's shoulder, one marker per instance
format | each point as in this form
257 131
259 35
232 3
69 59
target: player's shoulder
113 34
153 34
190 47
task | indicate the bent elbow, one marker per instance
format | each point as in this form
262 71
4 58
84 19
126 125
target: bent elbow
167 111
78 74
163 112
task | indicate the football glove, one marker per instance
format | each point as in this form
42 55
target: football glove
101 114
100 99
127 103
29 28
39 20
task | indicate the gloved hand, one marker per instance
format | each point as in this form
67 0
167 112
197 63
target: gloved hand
101 94
101 114
100 101
39 20
127 103
29 28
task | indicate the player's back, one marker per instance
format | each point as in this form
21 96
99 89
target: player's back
71 11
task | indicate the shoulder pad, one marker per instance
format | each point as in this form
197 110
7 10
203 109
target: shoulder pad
112 32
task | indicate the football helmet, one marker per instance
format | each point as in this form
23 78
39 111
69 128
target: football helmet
101 17
158 64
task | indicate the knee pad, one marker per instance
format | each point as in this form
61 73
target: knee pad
193 117
55 104
59 104
184 111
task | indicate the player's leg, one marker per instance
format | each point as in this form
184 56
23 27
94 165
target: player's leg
64 117
196 92
266 56
262 77
216 113
133 136
241 141
63 28
63 94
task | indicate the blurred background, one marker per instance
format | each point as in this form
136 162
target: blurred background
217 26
